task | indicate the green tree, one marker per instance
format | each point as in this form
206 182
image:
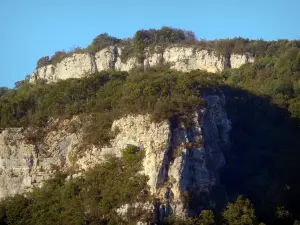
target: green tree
102 41
58 57
3 90
206 217
43 61
240 212
14 212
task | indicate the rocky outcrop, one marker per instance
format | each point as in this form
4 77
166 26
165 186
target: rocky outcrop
179 58
75 66
179 159
187 59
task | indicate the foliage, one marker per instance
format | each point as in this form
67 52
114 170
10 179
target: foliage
105 97
206 217
144 38
102 41
89 199
241 212
132 46
58 57
256 48
158 39
162 37
282 213
3 90
277 77
43 61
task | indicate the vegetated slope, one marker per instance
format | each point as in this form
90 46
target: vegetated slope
108 95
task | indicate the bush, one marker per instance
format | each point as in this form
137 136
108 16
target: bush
58 57
102 41
44 61
241 212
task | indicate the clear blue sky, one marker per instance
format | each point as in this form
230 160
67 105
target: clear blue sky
31 29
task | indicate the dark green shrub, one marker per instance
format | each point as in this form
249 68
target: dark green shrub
102 41
58 57
44 61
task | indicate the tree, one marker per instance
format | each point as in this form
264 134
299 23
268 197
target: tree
43 61
14 211
102 41
206 217
241 212
3 90
190 36
58 57
282 214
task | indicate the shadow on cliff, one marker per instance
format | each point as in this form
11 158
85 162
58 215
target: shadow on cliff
263 162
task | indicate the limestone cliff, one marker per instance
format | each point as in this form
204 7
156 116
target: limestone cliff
179 58
178 159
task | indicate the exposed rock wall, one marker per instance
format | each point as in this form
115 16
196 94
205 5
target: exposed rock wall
179 58
187 59
178 159
238 60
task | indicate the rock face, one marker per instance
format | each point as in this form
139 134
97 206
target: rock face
179 159
179 58
75 66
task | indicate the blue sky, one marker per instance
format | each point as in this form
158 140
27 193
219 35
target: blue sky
31 29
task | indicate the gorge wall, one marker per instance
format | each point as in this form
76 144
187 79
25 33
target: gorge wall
178 159
179 58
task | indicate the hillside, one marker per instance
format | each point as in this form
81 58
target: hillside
184 142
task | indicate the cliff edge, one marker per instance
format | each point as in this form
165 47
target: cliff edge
182 59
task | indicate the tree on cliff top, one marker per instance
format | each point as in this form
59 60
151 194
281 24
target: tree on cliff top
102 41
43 61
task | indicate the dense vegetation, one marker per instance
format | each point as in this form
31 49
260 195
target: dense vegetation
105 96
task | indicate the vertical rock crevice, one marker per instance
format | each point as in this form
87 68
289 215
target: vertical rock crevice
191 162
115 53
163 174
227 60
94 67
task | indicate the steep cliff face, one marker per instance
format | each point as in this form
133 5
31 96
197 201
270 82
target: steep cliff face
179 58
179 159
76 66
